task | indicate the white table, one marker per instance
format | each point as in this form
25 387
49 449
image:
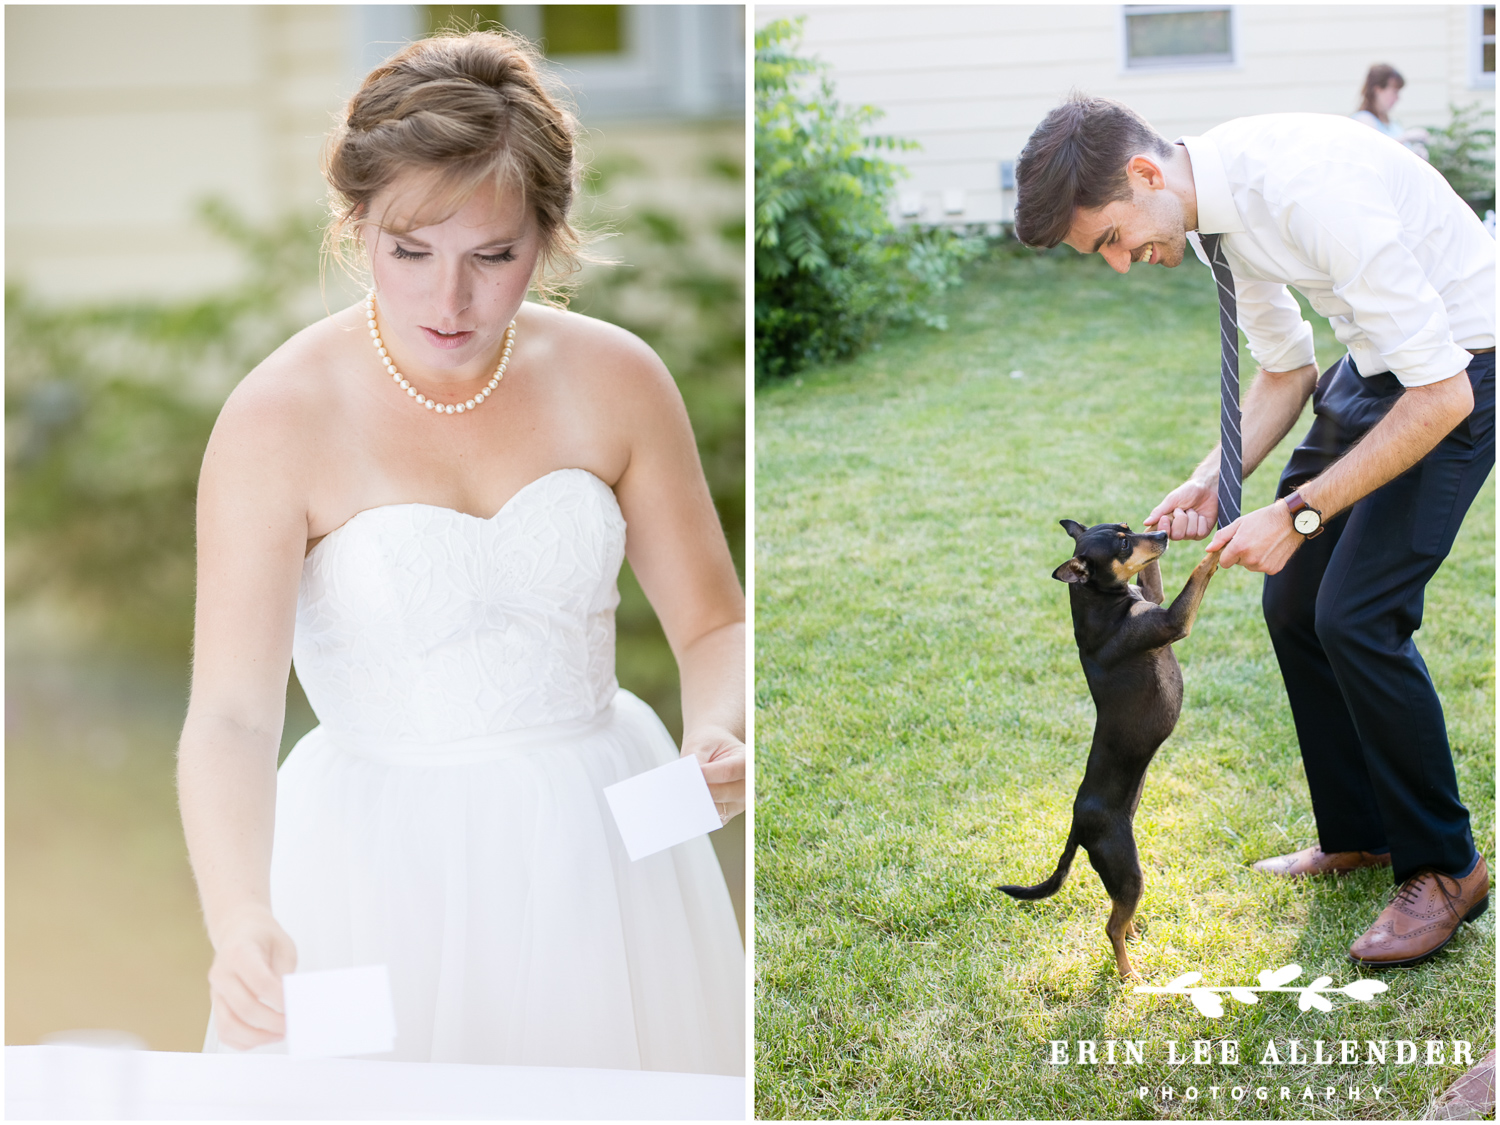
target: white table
54 1082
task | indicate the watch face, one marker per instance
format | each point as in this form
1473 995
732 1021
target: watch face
1306 521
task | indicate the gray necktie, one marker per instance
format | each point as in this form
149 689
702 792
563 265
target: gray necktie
1230 464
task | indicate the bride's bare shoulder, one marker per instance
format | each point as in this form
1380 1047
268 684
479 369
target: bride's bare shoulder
298 384
593 356
275 417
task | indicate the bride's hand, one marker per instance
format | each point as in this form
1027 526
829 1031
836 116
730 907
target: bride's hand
722 757
245 981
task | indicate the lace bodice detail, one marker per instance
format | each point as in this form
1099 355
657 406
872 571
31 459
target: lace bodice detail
423 624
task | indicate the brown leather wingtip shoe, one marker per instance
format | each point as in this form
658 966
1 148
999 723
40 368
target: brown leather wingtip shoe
1315 861
1422 918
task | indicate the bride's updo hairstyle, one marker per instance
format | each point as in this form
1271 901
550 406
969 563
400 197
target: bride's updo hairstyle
469 112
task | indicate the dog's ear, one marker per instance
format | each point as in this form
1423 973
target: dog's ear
1074 570
1073 528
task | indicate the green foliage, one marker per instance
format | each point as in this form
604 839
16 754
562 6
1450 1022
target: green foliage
831 269
678 283
1464 152
108 409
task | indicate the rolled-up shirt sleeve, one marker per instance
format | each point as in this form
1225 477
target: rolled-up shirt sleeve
1354 235
1280 340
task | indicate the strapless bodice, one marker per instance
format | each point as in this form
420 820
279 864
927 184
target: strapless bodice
421 624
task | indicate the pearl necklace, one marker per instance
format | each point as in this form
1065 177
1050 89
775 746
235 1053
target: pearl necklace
405 384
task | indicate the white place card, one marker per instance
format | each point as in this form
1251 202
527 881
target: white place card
662 807
337 1012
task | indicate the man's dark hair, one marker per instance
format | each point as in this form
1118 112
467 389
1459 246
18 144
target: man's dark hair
1076 158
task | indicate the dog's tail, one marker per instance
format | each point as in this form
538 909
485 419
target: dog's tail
1050 887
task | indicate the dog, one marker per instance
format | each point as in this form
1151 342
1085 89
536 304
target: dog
1125 639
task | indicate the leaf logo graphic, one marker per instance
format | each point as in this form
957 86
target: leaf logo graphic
1309 997
1365 990
1274 978
1313 995
1206 1002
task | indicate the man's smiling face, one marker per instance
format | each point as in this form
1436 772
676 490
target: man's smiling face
1149 227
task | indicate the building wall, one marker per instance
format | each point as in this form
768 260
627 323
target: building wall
969 83
119 119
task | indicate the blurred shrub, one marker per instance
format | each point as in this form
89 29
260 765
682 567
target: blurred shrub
1464 152
107 411
678 283
831 269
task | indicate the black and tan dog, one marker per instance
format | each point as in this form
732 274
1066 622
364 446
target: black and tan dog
1125 639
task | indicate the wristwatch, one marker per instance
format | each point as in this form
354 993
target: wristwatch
1309 521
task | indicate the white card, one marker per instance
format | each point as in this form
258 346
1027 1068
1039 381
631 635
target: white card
337 1012
662 807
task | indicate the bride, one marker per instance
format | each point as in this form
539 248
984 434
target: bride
424 501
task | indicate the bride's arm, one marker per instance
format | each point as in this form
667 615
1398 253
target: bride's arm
252 533
712 670
678 552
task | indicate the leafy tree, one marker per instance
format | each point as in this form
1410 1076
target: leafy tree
831 269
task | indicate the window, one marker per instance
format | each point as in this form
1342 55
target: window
618 61
1482 48
462 17
563 29
1158 36
582 29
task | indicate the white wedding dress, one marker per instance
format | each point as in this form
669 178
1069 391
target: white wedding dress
447 819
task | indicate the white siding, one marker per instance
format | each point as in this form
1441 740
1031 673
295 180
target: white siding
969 83
120 118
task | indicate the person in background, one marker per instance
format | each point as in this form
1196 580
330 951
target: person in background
1382 88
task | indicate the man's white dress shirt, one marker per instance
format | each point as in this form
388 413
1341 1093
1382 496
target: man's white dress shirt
1368 232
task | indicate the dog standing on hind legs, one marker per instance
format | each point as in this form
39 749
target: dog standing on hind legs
1125 637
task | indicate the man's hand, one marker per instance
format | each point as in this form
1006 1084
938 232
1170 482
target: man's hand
1189 510
1262 540
1269 410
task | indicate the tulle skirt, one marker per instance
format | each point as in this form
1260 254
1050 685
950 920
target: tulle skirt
490 878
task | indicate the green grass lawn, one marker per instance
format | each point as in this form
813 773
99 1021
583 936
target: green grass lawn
923 722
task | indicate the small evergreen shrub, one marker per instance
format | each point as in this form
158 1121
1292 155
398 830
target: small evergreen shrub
1464 152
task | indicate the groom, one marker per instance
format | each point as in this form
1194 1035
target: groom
1370 502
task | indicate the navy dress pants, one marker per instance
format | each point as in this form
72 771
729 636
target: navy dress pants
1341 616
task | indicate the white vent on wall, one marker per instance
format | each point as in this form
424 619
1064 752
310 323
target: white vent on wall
953 201
910 204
